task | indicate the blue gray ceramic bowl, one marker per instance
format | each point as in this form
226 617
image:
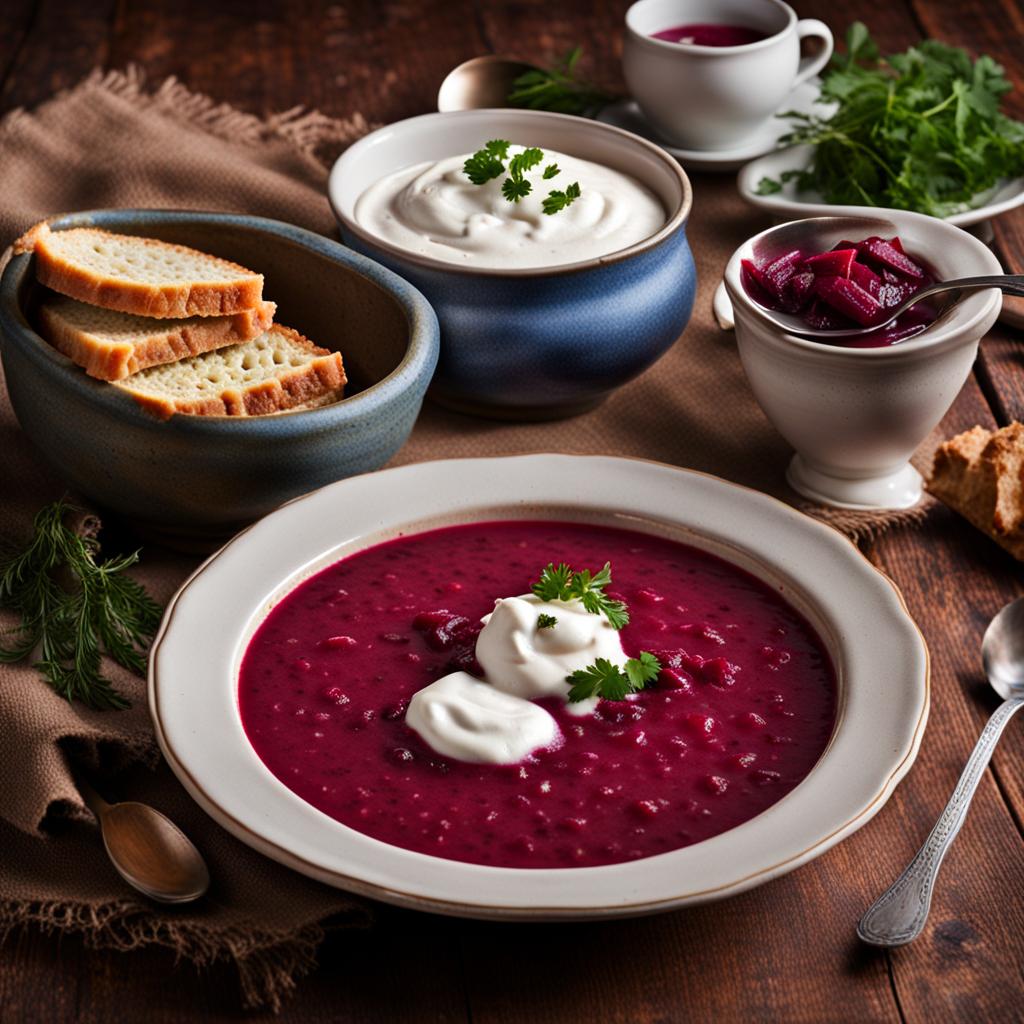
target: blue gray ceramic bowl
541 343
194 477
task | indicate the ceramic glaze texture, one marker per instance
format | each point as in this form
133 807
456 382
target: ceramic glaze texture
544 343
855 416
194 477
712 97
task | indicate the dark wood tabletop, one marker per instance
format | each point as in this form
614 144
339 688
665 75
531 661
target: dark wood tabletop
785 951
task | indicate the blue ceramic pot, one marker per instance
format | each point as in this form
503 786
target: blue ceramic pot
535 344
192 478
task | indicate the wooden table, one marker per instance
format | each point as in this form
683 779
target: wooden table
785 951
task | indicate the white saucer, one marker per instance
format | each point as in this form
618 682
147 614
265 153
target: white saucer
788 204
627 114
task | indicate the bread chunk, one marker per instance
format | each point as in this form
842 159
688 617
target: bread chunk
139 275
110 345
980 474
277 371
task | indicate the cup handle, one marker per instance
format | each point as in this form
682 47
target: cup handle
807 28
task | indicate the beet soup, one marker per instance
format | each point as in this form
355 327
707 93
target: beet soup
742 710
708 34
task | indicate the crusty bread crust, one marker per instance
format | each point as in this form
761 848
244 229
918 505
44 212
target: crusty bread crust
197 298
980 474
170 341
305 384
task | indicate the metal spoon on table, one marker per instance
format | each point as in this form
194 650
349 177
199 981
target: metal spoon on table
479 83
148 850
899 915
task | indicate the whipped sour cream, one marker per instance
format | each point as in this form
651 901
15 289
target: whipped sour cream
495 721
433 209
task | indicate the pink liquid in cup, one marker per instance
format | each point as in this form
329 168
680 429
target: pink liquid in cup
710 35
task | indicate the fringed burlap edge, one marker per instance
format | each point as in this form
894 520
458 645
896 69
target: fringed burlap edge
269 964
306 131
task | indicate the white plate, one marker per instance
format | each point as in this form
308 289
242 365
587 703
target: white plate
627 114
789 204
880 657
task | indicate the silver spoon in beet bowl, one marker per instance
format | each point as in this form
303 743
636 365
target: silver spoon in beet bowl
899 915
819 235
148 850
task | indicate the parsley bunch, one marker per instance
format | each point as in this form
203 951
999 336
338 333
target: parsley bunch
73 607
565 584
489 163
919 130
603 679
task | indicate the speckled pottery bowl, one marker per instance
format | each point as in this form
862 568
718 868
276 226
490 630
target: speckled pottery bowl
526 343
194 478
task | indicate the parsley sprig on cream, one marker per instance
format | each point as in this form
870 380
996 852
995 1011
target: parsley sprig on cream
490 162
564 584
603 679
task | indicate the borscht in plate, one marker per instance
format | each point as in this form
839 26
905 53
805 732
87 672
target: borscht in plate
537 694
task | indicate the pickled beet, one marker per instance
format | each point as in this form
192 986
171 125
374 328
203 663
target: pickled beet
851 285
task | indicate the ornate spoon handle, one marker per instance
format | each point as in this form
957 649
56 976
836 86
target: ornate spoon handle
899 914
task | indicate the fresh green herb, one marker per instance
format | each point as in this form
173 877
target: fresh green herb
489 163
556 200
559 89
603 679
546 621
562 583
920 130
73 608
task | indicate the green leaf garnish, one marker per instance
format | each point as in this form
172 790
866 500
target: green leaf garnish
603 679
556 200
74 608
919 130
489 163
558 89
546 621
561 583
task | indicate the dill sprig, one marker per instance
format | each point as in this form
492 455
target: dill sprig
559 89
74 608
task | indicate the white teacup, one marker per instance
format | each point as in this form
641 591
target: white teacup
712 97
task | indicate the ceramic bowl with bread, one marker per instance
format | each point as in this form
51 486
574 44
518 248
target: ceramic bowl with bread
192 371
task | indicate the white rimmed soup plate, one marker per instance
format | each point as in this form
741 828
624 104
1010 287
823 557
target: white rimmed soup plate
880 659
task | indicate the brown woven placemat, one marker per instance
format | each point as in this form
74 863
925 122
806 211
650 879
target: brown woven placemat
692 409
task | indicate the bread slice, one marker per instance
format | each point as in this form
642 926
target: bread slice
111 345
139 275
279 370
980 474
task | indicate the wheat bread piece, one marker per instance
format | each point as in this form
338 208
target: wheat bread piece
275 372
980 474
110 345
143 276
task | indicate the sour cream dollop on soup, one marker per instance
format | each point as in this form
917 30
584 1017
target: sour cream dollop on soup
433 209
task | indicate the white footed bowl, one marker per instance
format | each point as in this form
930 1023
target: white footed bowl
856 415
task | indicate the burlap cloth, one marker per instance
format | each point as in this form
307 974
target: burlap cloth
110 142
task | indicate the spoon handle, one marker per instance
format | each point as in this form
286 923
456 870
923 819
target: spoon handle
92 799
899 914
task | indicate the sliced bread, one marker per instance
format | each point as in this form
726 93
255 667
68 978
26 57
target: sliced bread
279 370
139 275
111 345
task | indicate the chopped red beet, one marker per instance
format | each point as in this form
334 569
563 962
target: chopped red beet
867 279
850 285
849 299
780 270
886 254
832 264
